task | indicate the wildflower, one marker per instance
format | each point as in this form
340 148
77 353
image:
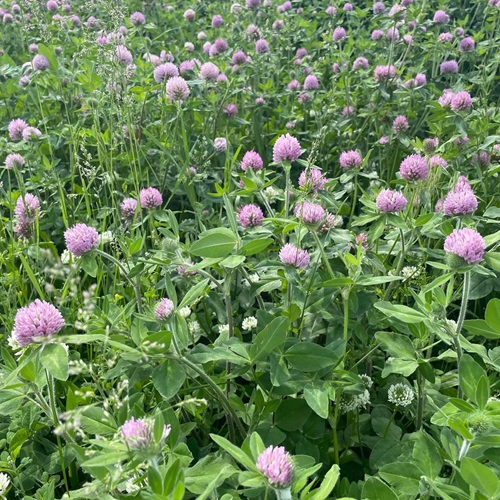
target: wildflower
239 57
52 5
304 97
177 89
400 395
350 159
31 133
164 309
348 110
217 21
400 124
223 329
14 160
249 323
312 179
137 18
286 148
250 215
360 63
461 101
430 144
128 209
261 46
16 128
38 319
339 34
139 434
441 17
218 47
150 198
448 67
331 10
253 4
467 44
445 38
252 160
185 312
362 240
123 55
367 380
378 8
40 63
276 465
460 200
467 244
220 144
446 97
294 85
165 71
391 201
385 139
384 73
209 71
4 483
330 222
189 15
437 161
377 34
309 213
230 110
414 168
392 34
81 239
290 254
311 83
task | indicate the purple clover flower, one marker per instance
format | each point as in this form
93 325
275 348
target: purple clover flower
460 200
177 89
38 319
164 309
309 213
291 255
252 160
150 198
391 201
312 179
250 215
81 239
350 159
275 463
286 148
467 244
414 168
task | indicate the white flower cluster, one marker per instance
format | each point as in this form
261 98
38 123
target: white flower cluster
350 402
4 484
410 272
249 323
400 394
185 312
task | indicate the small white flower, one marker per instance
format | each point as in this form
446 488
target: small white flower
4 483
194 327
67 257
367 380
400 394
271 193
223 329
362 400
249 323
253 278
105 237
185 312
409 272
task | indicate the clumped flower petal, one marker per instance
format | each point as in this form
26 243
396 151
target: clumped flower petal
276 465
81 239
467 244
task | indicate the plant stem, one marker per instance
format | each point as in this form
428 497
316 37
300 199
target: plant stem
135 286
323 254
392 285
345 296
460 322
333 423
390 422
421 400
55 418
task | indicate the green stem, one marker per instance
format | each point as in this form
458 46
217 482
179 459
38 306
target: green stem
401 261
345 296
323 254
135 286
55 418
354 200
461 318
421 400
390 422
338 394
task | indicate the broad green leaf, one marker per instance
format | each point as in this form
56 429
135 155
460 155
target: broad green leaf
88 263
327 485
460 428
106 459
480 477
292 414
256 246
54 358
95 421
235 452
404 477
155 480
426 455
396 345
469 373
269 339
316 396
404 367
215 243
310 357
480 327
194 293
492 315
376 280
232 261
493 260
168 378
398 311
482 392
375 489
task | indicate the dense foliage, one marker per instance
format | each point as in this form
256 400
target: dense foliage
249 251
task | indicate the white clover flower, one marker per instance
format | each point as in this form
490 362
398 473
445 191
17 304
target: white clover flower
185 312
362 400
271 193
452 325
4 483
249 323
254 278
223 328
130 486
409 272
67 257
194 327
400 394
105 237
367 380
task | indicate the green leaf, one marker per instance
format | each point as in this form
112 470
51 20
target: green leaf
168 378
396 345
233 261
235 452
193 294
426 370
95 421
426 455
482 392
215 243
492 315
256 246
292 414
54 358
404 477
469 373
210 471
460 428
269 339
480 477
45 51
376 280
310 357
106 459
327 485
462 405
404 367
155 480
316 396
88 263
375 489
480 327
493 260
403 313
